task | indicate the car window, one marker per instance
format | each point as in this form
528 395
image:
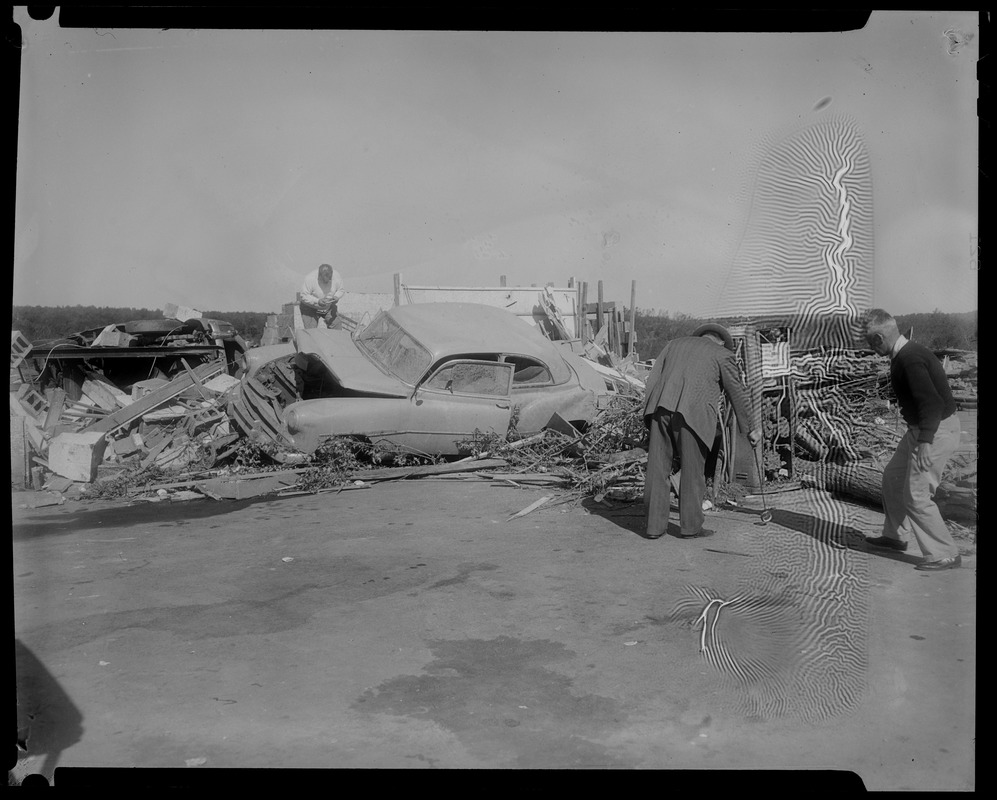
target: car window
471 377
389 345
528 372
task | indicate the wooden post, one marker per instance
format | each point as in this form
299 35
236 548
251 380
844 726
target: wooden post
398 289
502 280
571 283
598 311
579 311
632 338
584 312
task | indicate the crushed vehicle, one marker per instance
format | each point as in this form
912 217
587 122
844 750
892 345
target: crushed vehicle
423 378
130 352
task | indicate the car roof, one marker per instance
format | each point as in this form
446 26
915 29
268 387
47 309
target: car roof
453 328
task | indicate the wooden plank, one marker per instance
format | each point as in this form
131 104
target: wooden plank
531 507
154 452
56 405
196 381
394 473
101 395
156 398
259 412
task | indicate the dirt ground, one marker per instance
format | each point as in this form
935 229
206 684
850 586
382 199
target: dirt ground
413 625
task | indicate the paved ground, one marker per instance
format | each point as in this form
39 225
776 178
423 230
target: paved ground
410 625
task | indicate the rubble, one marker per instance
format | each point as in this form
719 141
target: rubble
205 431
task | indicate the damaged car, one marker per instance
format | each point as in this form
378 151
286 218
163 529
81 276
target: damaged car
128 352
422 378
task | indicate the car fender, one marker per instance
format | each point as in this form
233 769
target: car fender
256 357
309 422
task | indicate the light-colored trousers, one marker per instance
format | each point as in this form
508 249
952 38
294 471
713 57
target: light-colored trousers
908 491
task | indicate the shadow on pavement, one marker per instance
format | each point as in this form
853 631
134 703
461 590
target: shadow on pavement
631 516
825 531
48 721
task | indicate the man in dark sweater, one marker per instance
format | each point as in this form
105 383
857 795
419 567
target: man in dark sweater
933 434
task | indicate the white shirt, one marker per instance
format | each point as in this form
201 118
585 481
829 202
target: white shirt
898 345
318 292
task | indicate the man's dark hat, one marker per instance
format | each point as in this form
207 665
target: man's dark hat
719 330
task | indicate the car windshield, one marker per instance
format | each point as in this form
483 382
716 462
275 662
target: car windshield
394 350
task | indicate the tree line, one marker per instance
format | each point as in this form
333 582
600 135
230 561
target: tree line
936 330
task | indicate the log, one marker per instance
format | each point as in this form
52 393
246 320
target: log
865 483
854 480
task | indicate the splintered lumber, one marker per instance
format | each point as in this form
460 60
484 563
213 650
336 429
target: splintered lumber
56 404
531 507
242 488
395 473
104 394
255 410
154 399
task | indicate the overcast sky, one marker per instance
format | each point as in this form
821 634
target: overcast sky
213 169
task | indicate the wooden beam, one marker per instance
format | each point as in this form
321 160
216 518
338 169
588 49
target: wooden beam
161 396
598 313
632 338
583 304
398 289
56 405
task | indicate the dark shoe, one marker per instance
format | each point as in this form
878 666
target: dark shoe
886 543
701 534
946 563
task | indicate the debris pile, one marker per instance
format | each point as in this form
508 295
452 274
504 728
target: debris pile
200 431
848 427
844 411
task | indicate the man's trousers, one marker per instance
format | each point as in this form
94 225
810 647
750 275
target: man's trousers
908 491
670 438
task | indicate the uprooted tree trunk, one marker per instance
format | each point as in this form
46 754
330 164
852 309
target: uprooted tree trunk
865 483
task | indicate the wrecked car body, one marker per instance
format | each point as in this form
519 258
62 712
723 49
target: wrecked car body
130 352
423 378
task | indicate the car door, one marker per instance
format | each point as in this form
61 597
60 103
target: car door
460 397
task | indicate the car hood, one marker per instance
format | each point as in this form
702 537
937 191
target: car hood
337 352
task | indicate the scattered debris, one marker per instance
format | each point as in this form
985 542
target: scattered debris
197 427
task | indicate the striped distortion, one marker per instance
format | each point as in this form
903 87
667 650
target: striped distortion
790 639
806 247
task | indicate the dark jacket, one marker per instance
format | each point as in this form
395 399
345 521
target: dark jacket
688 378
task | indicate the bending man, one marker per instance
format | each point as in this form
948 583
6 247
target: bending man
680 409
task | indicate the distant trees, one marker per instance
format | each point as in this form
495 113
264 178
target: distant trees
936 330
941 331
655 329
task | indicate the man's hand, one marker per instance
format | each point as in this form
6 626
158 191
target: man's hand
922 455
754 437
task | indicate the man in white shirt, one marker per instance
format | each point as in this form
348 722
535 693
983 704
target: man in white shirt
320 294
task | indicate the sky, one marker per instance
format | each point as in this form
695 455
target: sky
213 169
